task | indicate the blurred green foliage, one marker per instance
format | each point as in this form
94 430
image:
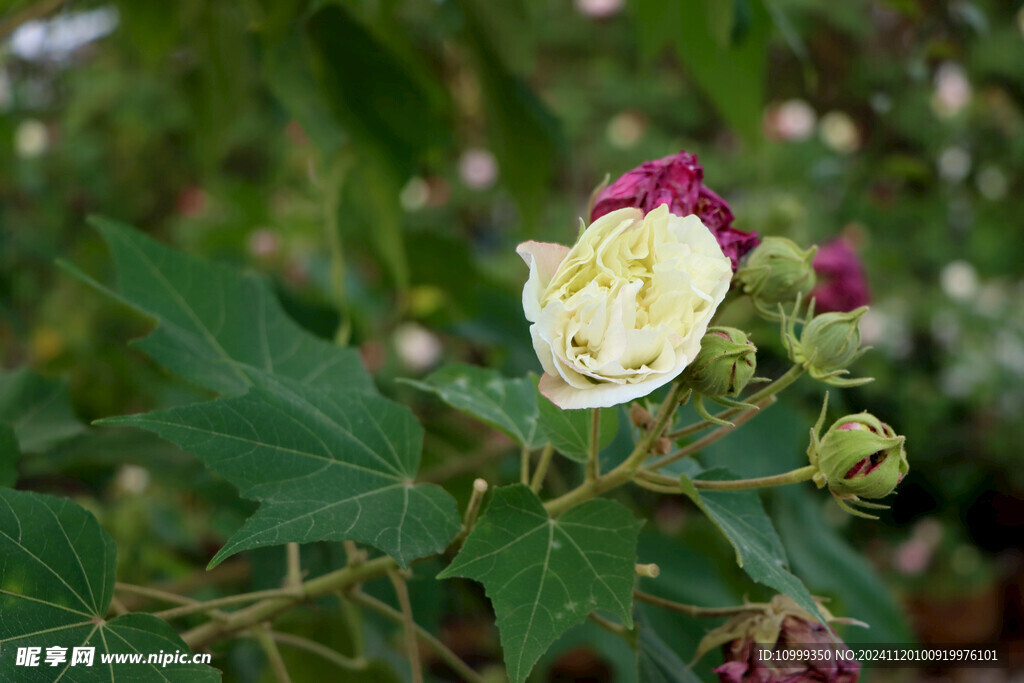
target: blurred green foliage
378 160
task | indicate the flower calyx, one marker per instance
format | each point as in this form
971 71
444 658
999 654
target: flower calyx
725 364
779 625
827 344
858 457
776 272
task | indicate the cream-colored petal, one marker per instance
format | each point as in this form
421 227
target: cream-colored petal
543 259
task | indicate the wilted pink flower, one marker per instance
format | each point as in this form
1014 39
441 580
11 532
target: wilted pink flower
677 181
743 662
789 638
842 285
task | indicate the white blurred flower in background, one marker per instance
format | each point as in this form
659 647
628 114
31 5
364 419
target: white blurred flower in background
959 280
793 120
478 168
31 139
418 347
954 164
58 37
839 132
952 90
599 9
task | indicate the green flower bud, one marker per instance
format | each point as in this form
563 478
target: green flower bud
724 365
829 343
775 273
859 457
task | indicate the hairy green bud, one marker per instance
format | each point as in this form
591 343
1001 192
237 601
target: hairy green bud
724 365
829 343
776 272
858 457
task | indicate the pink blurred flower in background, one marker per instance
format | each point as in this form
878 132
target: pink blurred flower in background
842 284
677 181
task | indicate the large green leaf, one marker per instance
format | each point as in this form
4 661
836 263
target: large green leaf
724 52
217 327
325 465
38 409
506 404
545 575
741 517
56 583
569 430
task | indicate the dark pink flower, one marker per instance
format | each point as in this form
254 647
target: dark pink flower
842 284
743 663
677 181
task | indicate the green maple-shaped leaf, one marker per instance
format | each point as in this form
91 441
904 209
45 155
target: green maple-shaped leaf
509 405
741 517
546 575
216 325
56 583
325 465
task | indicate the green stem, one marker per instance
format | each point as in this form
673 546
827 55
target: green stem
714 436
658 487
542 468
293 579
625 471
197 606
790 376
155 594
267 609
593 469
775 387
695 610
475 501
300 643
524 466
796 476
273 654
608 625
450 658
402 593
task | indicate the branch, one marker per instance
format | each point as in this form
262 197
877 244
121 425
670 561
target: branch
696 610
265 610
775 387
269 647
402 593
593 469
195 606
293 579
625 471
450 658
300 643
805 473
542 468
714 436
